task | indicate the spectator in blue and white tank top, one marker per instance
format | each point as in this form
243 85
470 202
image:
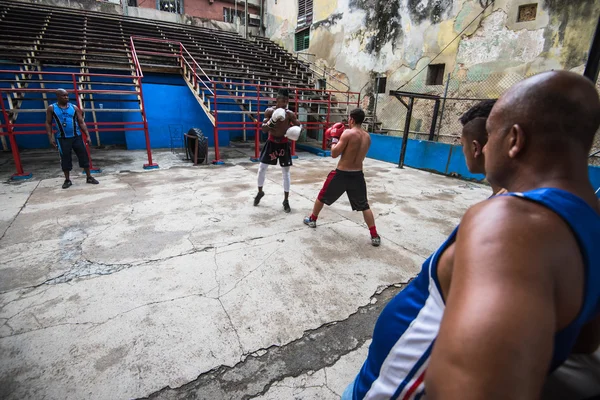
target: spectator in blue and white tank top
513 292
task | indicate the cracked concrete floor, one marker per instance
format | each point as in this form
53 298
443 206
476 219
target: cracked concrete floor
170 284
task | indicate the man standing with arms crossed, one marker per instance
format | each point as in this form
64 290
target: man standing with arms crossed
352 144
69 122
277 122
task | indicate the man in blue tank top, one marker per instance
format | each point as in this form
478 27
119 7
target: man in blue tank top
511 294
69 124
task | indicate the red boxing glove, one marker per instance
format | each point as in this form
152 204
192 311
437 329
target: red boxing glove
336 131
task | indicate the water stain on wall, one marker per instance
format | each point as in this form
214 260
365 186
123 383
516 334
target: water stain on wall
434 11
383 20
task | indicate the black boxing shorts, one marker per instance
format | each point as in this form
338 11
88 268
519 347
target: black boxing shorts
350 182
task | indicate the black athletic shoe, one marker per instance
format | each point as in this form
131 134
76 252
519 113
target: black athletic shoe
92 180
259 196
286 206
67 184
376 241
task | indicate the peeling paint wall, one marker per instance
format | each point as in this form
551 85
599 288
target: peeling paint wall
476 40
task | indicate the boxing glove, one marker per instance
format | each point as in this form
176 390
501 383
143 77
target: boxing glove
278 115
336 131
293 133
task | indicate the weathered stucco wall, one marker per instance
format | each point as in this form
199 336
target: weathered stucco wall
485 51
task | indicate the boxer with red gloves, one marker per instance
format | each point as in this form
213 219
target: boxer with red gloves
352 144
277 148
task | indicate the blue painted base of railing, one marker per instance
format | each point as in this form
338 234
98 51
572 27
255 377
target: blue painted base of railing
314 150
21 177
151 166
93 171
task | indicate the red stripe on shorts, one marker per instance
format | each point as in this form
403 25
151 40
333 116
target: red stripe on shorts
326 185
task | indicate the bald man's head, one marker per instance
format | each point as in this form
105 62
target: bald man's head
62 96
549 115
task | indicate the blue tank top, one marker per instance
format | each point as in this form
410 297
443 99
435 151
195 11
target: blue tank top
66 120
408 326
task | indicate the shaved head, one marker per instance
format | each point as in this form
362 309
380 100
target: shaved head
547 120
62 96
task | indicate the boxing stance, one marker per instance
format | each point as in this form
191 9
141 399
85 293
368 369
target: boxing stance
352 144
277 148
510 294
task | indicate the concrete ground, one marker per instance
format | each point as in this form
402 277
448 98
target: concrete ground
170 284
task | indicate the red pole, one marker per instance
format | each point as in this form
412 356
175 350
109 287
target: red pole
217 160
150 164
324 145
13 146
293 141
258 130
87 146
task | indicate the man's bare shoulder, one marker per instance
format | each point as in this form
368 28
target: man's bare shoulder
503 216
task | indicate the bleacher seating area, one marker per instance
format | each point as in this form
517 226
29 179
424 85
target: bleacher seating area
102 57
36 35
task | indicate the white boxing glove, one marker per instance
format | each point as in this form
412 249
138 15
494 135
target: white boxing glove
293 133
278 115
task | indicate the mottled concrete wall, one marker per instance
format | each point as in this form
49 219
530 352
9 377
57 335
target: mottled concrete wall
362 38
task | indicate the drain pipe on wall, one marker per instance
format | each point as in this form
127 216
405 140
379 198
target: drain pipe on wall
246 19
261 31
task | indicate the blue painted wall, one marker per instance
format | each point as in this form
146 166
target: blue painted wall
436 157
595 178
168 101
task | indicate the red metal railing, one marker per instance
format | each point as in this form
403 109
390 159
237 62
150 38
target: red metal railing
200 81
204 85
11 129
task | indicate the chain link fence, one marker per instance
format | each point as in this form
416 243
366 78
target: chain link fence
458 92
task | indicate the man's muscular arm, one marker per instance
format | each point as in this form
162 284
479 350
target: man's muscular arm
338 148
268 115
293 118
82 124
496 336
49 112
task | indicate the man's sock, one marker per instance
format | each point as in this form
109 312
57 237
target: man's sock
313 217
373 231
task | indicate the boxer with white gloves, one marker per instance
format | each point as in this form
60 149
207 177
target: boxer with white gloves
278 148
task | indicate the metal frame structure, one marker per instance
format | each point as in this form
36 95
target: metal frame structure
11 128
409 109
244 92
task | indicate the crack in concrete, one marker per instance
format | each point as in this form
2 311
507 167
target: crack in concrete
237 335
245 276
19 212
86 323
315 350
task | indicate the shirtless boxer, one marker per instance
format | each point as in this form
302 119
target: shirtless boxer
277 148
509 295
352 144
